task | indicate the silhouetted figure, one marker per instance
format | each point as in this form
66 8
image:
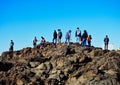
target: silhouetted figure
89 38
55 37
78 35
106 42
68 37
35 41
84 38
59 35
11 46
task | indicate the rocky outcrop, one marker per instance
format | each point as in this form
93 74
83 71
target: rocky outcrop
60 65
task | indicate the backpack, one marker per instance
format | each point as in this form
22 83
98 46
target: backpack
89 38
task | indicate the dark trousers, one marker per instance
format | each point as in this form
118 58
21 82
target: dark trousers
89 43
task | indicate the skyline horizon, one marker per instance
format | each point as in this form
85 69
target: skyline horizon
110 45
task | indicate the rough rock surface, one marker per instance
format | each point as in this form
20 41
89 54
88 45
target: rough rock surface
60 65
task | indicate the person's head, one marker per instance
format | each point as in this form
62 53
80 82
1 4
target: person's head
106 36
85 31
77 28
11 40
69 31
42 37
59 29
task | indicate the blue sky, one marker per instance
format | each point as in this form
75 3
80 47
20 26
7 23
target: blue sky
21 20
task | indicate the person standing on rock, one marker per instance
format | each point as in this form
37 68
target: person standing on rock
78 35
34 41
11 46
106 42
68 37
55 37
59 35
89 38
84 38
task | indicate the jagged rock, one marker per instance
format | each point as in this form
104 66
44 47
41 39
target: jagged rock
34 64
5 66
42 67
19 82
60 65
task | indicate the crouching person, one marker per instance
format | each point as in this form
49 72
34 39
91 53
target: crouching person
42 42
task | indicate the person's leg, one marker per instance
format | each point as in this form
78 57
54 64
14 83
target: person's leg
41 45
83 42
77 39
55 40
104 46
68 42
107 46
60 39
90 43
11 48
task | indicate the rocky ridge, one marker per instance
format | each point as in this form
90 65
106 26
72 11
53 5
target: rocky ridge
60 65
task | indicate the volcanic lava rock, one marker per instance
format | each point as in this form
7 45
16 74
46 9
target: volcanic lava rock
60 65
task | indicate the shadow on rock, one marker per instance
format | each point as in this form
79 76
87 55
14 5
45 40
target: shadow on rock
5 66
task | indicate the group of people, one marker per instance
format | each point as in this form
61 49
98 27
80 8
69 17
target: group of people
83 39
57 36
80 38
42 42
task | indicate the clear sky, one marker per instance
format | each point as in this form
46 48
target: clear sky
21 20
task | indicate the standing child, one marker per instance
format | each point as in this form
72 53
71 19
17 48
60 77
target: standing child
89 38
